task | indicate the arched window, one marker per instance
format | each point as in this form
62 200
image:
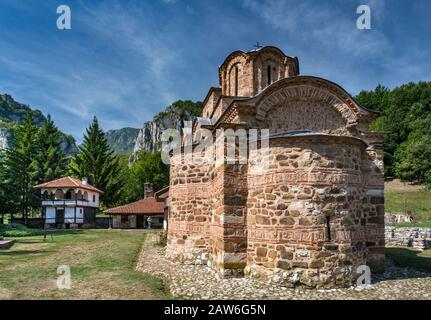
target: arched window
268 74
236 81
69 194
59 195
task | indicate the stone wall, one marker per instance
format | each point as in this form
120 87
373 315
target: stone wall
417 238
305 215
190 201
312 211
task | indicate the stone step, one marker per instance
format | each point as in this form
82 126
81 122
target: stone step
6 244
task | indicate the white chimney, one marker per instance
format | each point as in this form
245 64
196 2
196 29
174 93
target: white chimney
84 180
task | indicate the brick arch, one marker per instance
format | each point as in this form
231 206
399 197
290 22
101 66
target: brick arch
308 89
236 58
230 76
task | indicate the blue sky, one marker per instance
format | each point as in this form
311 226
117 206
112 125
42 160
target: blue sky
124 61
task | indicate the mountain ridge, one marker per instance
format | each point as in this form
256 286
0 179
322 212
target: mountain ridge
13 113
173 117
122 140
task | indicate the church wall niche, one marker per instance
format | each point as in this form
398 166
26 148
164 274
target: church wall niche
301 115
237 77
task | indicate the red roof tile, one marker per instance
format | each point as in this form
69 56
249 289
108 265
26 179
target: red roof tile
145 206
67 182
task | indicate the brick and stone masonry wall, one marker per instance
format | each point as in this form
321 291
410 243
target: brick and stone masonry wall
310 218
191 206
305 215
417 238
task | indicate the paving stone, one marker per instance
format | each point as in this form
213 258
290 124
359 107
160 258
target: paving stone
201 282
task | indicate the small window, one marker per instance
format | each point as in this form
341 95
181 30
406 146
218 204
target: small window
94 198
236 81
124 219
328 228
269 76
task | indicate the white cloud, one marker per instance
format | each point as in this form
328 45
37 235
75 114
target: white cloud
123 87
325 24
128 29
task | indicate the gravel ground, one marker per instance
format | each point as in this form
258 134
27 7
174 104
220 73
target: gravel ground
200 282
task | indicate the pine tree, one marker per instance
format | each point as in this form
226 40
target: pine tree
20 173
4 194
50 162
97 162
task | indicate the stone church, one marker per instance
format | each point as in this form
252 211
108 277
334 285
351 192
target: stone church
316 213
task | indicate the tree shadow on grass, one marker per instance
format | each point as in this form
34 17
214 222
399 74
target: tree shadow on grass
404 263
24 252
41 238
27 241
62 232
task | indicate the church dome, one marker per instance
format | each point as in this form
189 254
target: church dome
246 74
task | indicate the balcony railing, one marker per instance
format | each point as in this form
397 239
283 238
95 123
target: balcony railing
68 202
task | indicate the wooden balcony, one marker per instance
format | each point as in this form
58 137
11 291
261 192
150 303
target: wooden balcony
68 203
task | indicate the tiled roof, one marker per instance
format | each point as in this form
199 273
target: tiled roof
145 206
67 182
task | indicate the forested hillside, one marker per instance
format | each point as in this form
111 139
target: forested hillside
122 140
13 113
406 117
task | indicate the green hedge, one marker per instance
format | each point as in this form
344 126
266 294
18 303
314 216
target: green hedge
18 230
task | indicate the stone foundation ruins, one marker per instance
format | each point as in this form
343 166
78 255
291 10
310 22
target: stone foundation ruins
309 208
416 238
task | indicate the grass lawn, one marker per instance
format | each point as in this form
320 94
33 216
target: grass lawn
408 257
102 264
415 200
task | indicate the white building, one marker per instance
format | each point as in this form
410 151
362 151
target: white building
69 202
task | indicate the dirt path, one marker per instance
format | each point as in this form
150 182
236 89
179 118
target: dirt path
398 185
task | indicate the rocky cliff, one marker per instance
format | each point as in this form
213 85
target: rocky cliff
4 136
122 140
13 112
172 118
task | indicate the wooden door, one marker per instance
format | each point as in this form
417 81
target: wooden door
139 221
59 216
